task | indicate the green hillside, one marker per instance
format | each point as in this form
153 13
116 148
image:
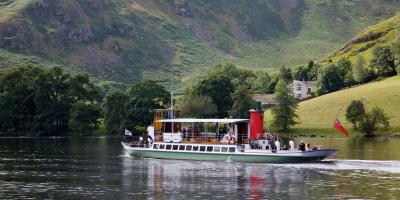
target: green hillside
178 40
384 32
316 116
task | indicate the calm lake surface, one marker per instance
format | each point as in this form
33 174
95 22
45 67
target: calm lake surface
98 168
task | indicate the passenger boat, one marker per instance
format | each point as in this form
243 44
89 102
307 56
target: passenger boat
236 140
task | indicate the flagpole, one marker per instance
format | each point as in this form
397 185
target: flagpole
336 117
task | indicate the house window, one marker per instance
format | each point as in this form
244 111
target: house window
309 90
298 88
299 96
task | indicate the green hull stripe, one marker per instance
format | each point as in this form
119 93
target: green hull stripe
223 157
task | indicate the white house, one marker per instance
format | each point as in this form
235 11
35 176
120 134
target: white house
303 89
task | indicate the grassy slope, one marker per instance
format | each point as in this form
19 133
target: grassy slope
277 37
316 115
382 33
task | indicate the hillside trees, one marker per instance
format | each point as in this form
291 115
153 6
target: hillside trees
360 72
384 61
330 79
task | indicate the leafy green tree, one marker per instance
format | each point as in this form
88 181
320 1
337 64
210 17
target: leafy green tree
237 75
260 83
114 109
35 101
373 120
242 103
285 111
219 89
144 97
84 118
360 72
199 107
302 73
330 79
355 112
384 60
286 74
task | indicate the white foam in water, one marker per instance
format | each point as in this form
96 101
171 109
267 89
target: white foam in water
372 165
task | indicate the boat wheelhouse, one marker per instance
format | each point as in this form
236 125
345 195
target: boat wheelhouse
240 140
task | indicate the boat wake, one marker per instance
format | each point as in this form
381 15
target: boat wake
392 166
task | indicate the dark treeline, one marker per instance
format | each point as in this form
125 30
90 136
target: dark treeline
40 102
43 102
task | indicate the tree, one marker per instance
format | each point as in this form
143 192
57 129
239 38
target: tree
114 109
260 83
84 118
199 106
384 60
286 74
285 111
237 75
355 112
360 73
330 79
373 120
143 98
242 103
301 73
35 101
219 89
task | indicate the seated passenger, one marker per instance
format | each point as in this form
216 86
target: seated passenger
315 148
302 146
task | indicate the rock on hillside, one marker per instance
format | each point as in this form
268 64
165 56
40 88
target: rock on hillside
173 40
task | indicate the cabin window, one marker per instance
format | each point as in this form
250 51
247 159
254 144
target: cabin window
202 148
188 147
169 147
162 146
224 149
209 148
156 146
182 147
195 148
309 90
231 149
217 149
175 147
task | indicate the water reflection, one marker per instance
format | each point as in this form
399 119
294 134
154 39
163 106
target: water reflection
98 169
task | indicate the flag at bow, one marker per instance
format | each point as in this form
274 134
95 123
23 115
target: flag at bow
340 128
128 133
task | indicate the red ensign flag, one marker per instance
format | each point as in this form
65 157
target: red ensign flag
340 128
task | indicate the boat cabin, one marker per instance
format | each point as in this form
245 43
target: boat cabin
205 131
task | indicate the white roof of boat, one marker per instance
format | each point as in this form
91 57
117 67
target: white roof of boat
195 120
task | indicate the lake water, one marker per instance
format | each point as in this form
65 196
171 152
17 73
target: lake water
98 168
